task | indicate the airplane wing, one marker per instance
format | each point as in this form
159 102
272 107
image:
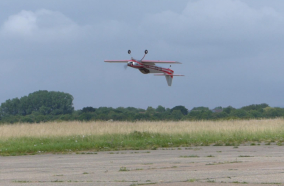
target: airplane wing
167 62
152 62
116 61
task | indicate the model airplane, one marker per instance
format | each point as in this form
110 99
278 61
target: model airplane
148 66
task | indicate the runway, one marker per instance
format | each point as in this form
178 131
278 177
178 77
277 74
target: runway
202 165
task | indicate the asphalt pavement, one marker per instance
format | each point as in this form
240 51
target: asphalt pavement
200 166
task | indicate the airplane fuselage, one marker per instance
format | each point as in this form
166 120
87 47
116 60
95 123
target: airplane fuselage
147 68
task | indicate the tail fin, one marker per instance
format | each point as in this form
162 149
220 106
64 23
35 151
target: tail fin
169 77
169 80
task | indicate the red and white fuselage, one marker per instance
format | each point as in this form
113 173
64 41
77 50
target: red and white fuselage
148 66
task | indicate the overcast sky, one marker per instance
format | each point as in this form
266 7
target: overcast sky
232 51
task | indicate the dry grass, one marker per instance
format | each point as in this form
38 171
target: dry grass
19 139
61 129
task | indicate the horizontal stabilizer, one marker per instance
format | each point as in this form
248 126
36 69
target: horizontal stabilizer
168 75
175 75
117 61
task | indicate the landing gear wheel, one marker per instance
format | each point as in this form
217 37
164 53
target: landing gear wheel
146 51
129 51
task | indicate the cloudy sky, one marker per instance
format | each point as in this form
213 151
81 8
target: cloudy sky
232 51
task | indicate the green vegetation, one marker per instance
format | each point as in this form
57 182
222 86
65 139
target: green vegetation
191 180
132 141
242 156
43 106
190 156
210 156
123 169
39 106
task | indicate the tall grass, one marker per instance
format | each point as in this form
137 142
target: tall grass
76 136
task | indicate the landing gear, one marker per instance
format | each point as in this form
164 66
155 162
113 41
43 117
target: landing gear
146 52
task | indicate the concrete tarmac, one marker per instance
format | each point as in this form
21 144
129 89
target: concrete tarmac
199 166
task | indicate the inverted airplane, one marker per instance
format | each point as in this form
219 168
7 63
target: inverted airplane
148 66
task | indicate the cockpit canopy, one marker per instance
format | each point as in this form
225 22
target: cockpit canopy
131 64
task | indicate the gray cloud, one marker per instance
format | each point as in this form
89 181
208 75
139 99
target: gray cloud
231 51
220 23
41 25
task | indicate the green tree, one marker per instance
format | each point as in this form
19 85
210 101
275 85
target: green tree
228 109
239 113
270 112
255 114
206 115
41 101
150 110
88 109
160 109
182 109
258 107
200 109
176 115
10 107
219 115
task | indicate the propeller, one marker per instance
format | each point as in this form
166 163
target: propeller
125 66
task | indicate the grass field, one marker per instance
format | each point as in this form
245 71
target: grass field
18 139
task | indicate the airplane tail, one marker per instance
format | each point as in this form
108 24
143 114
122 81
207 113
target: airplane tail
169 77
169 80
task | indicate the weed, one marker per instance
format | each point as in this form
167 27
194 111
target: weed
86 153
274 183
225 162
57 181
22 181
218 144
197 149
211 181
190 156
123 169
154 148
147 163
191 180
242 156
210 156
240 182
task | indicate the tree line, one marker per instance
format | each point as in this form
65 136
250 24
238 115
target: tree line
43 106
